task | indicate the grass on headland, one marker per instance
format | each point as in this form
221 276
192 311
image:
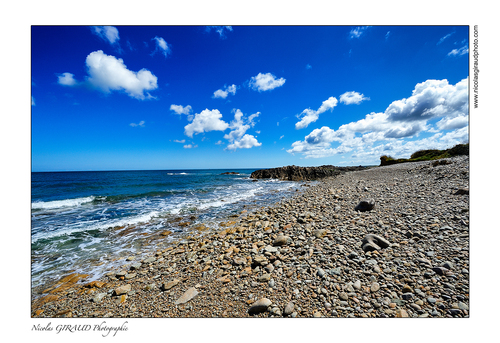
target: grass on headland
427 155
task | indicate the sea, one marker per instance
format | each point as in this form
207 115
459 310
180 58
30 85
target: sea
90 222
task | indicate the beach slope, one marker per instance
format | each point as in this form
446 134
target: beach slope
388 241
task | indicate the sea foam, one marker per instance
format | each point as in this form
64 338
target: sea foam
47 205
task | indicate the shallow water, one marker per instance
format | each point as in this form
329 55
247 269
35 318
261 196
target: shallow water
87 221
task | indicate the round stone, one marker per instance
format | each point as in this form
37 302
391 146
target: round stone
289 308
259 306
374 287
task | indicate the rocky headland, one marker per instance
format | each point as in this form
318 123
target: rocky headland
388 241
295 173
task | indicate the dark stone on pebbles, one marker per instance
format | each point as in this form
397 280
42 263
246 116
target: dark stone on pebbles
440 270
373 242
448 265
407 296
365 205
428 275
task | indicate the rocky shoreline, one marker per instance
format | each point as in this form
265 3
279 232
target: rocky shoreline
403 252
295 173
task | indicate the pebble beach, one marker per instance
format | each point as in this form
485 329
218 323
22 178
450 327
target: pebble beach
384 242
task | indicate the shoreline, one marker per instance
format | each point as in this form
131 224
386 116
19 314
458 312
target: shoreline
114 238
304 257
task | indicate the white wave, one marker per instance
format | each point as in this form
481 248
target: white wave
231 198
47 205
96 225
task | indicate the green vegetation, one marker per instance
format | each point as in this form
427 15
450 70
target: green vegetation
428 155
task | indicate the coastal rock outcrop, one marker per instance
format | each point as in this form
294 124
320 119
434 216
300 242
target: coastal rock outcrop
295 173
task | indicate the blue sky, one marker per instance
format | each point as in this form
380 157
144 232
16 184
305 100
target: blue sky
180 97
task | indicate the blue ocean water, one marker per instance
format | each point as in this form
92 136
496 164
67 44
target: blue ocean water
89 221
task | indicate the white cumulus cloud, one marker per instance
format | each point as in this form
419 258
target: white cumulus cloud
349 98
246 142
452 123
430 99
223 93
205 121
179 109
108 73
385 132
162 46
265 82
66 79
309 116
107 33
237 137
